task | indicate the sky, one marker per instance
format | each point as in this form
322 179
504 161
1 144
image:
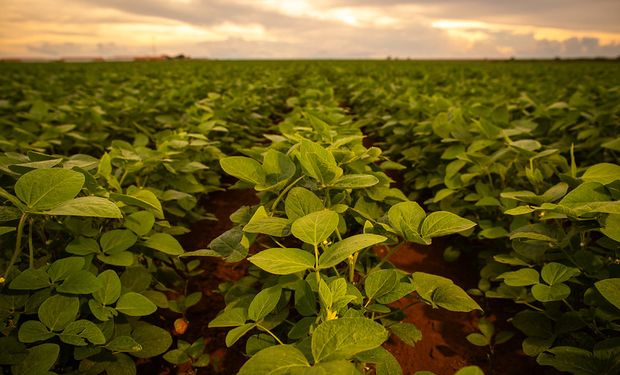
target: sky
271 29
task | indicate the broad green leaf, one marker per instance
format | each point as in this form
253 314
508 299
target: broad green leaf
555 273
31 279
345 337
140 222
245 169
300 202
385 363
122 259
82 246
407 332
603 173
264 303
228 245
42 189
230 317
39 360
442 223
58 311
79 332
141 198
380 282
355 181
135 304
176 357
522 277
478 339
341 250
87 206
153 340
80 282
278 168
281 261
610 289
32 331
135 279
612 227
274 360
236 333
273 226
470 370
442 292
124 344
549 293
165 243
315 227
101 312
117 240
62 268
318 162
406 218
110 289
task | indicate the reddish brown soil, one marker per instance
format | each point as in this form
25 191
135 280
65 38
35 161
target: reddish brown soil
444 348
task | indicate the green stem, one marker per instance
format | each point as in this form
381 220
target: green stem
352 262
30 245
18 247
387 256
289 187
316 264
270 333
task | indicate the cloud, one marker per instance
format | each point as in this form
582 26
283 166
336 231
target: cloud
310 29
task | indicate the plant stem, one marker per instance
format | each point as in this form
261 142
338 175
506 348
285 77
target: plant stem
289 187
270 333
18 246
30 246
316 264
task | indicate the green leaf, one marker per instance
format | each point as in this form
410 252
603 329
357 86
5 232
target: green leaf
612 227
135 304
341 250
154 340
604 173
78 332
262 223
345 337
275 360
110 289
555 273
31 279
141 198
176 357
300 202
610 289
58 311
42 189
165 243
478 339
318 163
236 333
101 312
379 283
355 181
117 240
122 259
62 268
385 363
470 370
230 317
80 282
315 227
88 207
442 223
124 344
407 332
406 218
39 360
140 222
283 261
32 331
549 293
522 277
442 292
83 246
245 169
278 168
264 303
